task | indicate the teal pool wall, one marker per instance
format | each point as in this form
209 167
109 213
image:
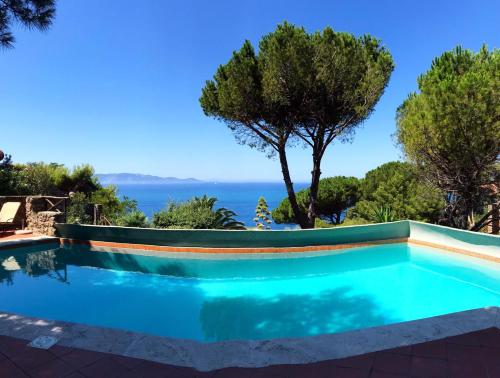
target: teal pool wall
453 238
236 239
429 233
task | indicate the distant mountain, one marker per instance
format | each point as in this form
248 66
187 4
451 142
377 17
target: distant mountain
134 178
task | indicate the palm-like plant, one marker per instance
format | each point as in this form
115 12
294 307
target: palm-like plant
34 14
224 219
204 202
197 213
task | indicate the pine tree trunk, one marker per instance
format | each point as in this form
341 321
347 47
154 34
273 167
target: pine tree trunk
313 192
289 188
339 215
470 217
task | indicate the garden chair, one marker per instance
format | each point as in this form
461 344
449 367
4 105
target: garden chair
7 215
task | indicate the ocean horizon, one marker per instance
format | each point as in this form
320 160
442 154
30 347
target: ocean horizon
241 197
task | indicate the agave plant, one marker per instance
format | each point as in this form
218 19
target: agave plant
383 214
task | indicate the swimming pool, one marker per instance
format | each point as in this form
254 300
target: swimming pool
245 297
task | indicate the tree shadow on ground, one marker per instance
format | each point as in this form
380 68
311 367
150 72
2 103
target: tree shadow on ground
289 315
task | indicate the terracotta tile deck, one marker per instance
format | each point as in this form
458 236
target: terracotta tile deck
4 236
474 355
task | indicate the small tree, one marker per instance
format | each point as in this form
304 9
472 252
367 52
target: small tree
335 196
304 87
397 186
34 14
262 215
40 178
7 173
451 129
259 100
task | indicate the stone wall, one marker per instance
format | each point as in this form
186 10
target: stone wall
43 212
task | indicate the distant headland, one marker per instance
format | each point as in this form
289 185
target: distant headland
138 179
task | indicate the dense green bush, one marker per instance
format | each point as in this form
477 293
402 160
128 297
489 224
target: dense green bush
134 218
7 176
50 179
116 211
113 208
335 196
396 186
197 213
78 210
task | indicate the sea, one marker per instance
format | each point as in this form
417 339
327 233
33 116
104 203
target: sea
240 197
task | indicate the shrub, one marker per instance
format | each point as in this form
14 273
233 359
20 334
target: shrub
134 218
78 209
197 213
336 195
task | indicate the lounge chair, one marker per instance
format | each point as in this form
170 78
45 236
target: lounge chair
8 214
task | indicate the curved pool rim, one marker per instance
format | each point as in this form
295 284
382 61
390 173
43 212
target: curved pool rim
244 353
250 241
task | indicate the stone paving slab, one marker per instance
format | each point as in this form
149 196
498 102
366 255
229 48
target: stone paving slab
474 354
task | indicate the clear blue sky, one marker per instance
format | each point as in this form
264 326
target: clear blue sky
116 83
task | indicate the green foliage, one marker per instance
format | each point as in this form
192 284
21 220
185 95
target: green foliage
81 179
284 214
7 176
397 186
34 14
262 215
134 218
295 79
46 179
113 208
320 223
117 211
197 213
80 184
354 222
78 210
383 214
346 222
451 130
299 87
40 178
335 196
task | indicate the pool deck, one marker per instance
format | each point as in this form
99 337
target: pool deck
249 354
465 344
11 240
474 354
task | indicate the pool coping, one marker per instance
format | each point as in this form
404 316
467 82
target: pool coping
28 242
225 251
254 353
228 250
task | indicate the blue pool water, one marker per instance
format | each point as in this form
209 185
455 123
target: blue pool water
210 300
